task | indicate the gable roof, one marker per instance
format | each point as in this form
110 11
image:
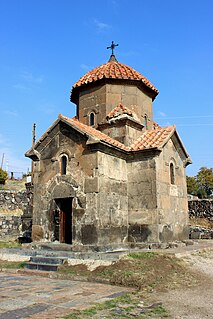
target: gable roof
120 109
150 140
92 132
155 138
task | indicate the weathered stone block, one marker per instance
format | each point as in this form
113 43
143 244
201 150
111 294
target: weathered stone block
91 185
89 234
63 190
138 233
37 233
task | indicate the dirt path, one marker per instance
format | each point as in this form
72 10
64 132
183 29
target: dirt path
195 302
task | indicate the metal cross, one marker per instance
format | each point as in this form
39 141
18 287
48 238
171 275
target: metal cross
112 47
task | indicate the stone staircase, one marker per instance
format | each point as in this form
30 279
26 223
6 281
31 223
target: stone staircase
45 263
48 257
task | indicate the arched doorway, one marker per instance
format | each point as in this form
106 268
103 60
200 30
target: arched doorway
63 220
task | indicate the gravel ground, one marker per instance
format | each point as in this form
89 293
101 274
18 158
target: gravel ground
194 302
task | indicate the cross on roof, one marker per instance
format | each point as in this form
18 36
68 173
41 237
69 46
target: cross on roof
112 47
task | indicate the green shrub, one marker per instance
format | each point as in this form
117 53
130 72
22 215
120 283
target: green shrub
3 176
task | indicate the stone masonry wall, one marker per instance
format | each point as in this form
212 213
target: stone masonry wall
12 207
103 99
172 196
201 209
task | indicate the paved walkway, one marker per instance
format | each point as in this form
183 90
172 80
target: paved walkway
35 297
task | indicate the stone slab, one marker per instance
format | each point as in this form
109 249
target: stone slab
38 297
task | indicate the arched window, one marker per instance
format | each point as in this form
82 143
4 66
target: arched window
92 119
145 121
172 173
63 165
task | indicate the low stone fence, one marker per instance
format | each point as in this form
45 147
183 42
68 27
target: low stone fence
14 206
202 210
16 215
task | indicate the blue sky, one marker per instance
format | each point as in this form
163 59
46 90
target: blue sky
46 46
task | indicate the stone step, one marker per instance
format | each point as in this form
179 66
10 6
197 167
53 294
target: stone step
44 263
107 255
43 267
47 260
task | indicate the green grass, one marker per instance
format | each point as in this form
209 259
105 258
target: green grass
156 312
67 270
107 309
9 244
90 312
107 305
142 255
106 273
12 264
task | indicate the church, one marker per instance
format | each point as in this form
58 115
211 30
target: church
110 176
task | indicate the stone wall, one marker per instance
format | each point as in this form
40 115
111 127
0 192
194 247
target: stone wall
171 195
104 98
142 201
201 211
201 208
14 206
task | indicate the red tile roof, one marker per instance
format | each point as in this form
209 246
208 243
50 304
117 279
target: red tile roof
153 139
93 132
113 70
148 140
119 110
156 125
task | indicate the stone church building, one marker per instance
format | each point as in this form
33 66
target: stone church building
110 175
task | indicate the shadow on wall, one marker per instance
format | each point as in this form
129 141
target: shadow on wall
138 233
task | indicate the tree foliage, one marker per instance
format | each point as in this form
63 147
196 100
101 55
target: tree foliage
3 176
201 185
192 186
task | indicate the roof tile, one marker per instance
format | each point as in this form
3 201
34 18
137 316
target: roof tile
152 139
113 70
119 110
148 140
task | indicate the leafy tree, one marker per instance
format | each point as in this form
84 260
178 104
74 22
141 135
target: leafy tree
205 182
3 176
192 186
201 185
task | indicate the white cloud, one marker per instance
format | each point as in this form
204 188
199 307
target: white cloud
162 114
27 80
85 67
21 86
101 26
10 113
29 77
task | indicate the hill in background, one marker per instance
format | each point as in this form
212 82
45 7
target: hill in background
14 185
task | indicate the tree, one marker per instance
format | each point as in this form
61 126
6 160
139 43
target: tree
201 185
3 176
192 186
205 182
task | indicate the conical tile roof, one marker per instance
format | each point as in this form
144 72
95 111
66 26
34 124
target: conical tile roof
113 70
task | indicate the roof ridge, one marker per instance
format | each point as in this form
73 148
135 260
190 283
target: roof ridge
149 139
91 130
